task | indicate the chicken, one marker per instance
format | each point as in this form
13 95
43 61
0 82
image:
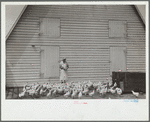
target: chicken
98 89
44 85
60 90
107 85
80 95
119 91
106 89
54 92
74 94
66 90
103 91
86 90
91 94
48 86
115 84
135 93
45 91
90 84
33 86
102 87
110 84
26 87
36 86
49 94
113 91
95 85
22 94
41 92
32 92
67 94
39 88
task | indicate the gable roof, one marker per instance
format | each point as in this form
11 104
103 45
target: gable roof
141 11
13 14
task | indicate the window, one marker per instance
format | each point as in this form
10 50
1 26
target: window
49 61
117 29
50 27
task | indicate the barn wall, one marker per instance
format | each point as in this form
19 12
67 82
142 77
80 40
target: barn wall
84 41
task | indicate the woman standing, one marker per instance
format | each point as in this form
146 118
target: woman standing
63 70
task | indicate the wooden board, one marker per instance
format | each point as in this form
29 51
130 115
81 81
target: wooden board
117 59
49 61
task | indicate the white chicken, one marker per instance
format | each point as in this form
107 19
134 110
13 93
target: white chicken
90 84
49 94
48 86
54 92
67 94
86 90
36 85
74 94
113 91
103 91
41 91
26 87
80 95
98 89
119 91
95 85
22 94
110 84
135 93
115 84
60 90
91 94
44 85
32 92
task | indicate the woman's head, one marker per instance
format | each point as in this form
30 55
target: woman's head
64 59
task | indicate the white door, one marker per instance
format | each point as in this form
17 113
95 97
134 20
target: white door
117 59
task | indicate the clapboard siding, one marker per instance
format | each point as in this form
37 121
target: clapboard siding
84 41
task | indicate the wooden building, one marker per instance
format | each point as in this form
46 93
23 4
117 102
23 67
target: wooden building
95 39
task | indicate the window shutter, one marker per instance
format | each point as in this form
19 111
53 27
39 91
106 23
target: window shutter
50 27
49 61
117 29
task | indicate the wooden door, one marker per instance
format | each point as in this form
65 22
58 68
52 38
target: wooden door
49 61
117 59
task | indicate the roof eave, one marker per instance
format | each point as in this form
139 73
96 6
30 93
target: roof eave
14 24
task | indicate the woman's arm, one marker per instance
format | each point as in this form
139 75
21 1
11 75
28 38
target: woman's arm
67 65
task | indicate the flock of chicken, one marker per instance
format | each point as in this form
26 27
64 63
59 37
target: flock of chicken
72 89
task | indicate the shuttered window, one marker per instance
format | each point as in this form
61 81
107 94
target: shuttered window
50 27
117 29
49 61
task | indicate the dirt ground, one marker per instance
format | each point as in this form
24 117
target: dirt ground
108 96
96 96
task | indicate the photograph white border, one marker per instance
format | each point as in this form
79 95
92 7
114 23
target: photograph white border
73 109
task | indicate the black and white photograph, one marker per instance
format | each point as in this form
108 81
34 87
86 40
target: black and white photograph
79 52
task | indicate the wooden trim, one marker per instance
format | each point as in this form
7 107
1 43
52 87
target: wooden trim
140 14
